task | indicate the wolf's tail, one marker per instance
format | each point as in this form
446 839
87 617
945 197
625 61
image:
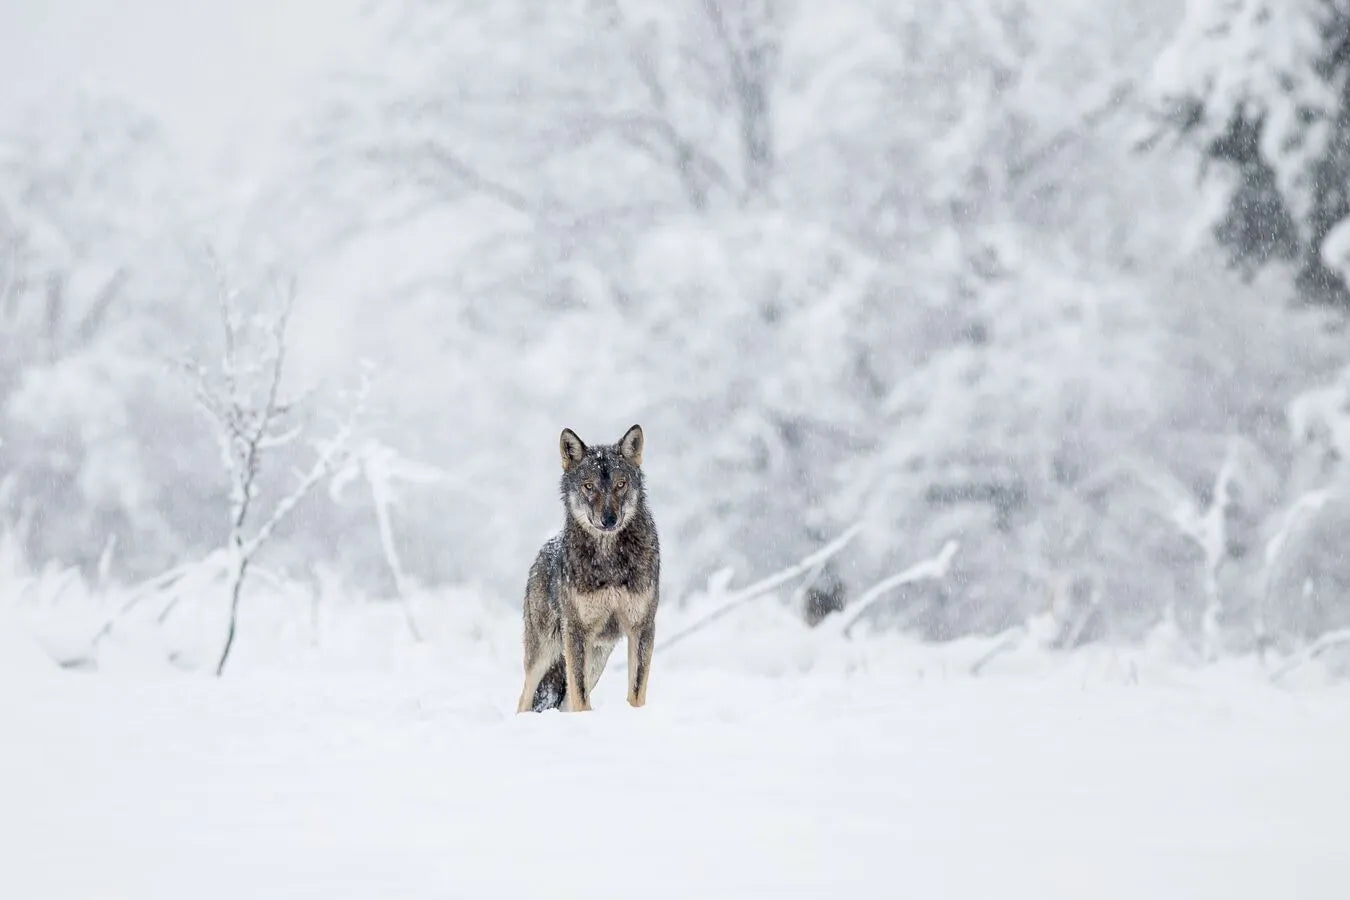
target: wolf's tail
552 690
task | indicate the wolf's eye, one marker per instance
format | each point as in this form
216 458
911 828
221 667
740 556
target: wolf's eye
588 486
620 485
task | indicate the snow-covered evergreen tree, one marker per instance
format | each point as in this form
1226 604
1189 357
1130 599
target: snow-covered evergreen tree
1259 88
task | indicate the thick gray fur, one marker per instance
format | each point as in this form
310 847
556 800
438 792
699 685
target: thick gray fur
595 581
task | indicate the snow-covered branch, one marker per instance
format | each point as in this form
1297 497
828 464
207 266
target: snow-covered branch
932 569
739 598
382 467
330 457
1326 642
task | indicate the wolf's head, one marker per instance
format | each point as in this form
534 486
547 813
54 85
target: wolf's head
602 486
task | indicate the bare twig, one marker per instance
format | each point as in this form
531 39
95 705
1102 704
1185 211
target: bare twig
445 163
97 314
751 57
244 402
697 170
330 457
1115 100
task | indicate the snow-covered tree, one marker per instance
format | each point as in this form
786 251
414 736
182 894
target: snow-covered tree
791 225
864 262
245 397
1259 89
89 294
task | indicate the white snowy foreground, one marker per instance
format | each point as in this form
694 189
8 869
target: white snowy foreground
903 781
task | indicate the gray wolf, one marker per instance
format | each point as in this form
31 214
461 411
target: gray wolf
594 581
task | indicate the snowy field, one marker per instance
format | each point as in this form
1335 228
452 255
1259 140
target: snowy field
875 769
1061 286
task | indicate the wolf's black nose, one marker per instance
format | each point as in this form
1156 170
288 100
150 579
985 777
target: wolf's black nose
610 520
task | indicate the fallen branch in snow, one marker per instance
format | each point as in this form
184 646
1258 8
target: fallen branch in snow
149 588
1317 648
934 568
763 586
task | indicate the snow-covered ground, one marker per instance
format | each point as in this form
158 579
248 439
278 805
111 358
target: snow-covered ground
877 772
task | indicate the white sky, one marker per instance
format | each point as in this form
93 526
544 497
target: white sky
222 76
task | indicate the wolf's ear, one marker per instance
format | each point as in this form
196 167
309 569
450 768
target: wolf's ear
571 447
630 445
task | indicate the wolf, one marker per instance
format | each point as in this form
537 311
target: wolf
594 581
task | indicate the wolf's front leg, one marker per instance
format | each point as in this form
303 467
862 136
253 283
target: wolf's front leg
640 641
574 666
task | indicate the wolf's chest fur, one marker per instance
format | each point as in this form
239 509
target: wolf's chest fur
602 610
600 586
